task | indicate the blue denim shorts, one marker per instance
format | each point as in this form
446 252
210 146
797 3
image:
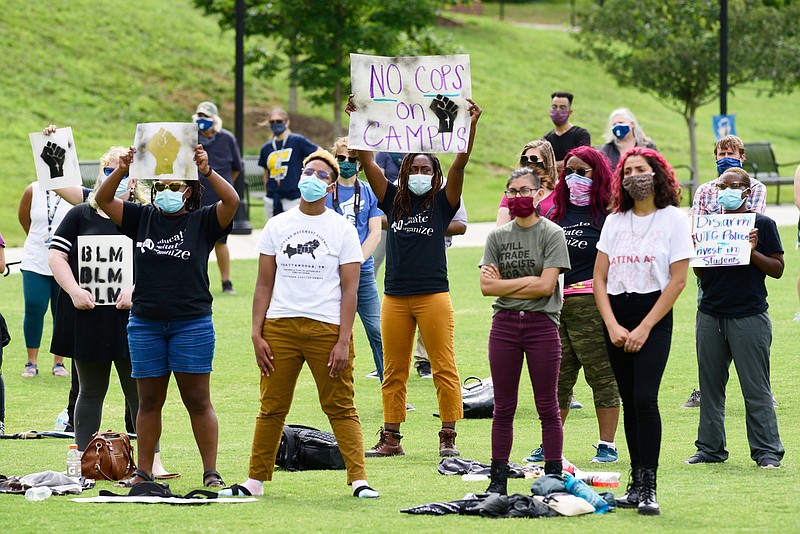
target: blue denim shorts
158 347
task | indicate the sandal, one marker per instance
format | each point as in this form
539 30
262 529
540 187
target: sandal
60 370
128 482
235 491
167 476
31 369
212 479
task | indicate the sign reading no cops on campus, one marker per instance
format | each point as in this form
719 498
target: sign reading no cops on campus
410 103
722 240
105 266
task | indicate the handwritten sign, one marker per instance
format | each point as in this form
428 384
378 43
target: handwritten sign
722 240
410 103
56 159
105 266
165 151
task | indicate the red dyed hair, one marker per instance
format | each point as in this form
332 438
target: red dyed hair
666 186
599 193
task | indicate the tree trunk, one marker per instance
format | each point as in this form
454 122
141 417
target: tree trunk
292 86
337 110
693 179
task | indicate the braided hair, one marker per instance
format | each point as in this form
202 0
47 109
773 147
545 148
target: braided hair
194 201
402 201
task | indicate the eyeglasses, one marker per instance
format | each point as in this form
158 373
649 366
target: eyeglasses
278 121
527 161
172 186
580 171
340 158
733 185
522 191
308 171
108 170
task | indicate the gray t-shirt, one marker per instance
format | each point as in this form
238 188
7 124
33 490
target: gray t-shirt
520 252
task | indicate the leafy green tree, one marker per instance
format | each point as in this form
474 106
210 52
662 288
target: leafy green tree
319 35
670 48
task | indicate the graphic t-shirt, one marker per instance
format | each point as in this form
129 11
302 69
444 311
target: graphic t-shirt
582 234
574 137
170 256
223 157
343 201
284 161
641 249
520 252
308 251
740 291
416 263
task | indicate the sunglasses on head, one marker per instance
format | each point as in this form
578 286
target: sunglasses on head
733 185
108 170
308 171
172 186
579 171
527 161
341 158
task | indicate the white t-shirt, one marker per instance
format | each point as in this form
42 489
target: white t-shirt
308 250
47 211
641 249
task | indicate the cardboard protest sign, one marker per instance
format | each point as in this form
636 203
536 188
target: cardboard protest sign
56 159
410 103
165 151
722 240
105 266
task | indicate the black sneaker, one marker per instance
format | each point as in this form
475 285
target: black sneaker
227 287
699 458
424 370
694 400
769 463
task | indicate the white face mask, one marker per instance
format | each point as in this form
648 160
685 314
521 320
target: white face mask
419 184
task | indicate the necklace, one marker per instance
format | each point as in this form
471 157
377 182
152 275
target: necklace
641 236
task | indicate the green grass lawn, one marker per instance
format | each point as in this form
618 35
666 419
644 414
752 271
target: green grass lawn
735 496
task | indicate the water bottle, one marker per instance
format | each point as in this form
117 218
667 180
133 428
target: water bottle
38 493
601 479
73 462
580 489
62 421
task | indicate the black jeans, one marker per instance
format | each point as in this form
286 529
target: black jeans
639 376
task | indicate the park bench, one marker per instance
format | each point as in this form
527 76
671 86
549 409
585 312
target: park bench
761 164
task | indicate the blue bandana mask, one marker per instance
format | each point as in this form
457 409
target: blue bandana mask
730 199
204 124
277 128
347 169
312 188
122 188
169 201
726 163
621 130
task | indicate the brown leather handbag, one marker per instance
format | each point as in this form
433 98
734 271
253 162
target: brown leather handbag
108 456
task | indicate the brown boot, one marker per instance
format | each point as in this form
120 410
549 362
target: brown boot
388 445
447 443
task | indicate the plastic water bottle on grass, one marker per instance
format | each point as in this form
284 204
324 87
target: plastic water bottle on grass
62 421
38 493
579 488
74 462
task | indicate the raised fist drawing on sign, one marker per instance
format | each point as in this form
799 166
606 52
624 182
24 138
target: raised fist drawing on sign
54 156
446 110
164 147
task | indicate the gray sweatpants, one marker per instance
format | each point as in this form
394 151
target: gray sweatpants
746 342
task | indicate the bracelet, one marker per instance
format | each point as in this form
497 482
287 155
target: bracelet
210 170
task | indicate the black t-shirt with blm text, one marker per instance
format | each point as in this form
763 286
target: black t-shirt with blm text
416 263
740 291
574 137
582 234
170 256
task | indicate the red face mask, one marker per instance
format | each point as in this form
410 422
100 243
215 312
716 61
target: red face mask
521 206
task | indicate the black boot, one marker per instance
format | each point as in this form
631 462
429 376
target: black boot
499 476
631 497
553 467
648 505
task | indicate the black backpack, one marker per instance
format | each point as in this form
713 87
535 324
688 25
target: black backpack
304 448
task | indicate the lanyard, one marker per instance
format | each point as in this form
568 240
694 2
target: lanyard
283 144
356 198
51 214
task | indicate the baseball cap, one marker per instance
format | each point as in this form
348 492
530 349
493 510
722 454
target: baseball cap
207 108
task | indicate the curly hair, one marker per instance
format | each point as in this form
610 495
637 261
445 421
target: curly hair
600 191
402 200
195 200
666 187
549 176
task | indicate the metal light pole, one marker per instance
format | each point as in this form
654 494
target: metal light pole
241 221
723 57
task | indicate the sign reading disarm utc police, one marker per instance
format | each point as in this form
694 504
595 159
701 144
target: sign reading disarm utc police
105 266
410 103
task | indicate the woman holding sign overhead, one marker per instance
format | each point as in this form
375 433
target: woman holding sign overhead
170 328
733 325
642 260
419 207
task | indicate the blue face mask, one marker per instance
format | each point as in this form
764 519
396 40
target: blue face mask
419 184
169 201
277 127
726 163
621 130
312 188
347 169
122 188
730 199
204 124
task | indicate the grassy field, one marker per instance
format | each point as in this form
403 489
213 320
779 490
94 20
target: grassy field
102 66
732 497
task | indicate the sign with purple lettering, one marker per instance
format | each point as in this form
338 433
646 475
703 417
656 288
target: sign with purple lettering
105 266
410 103
56 159
722 240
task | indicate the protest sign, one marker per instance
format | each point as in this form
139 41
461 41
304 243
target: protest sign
410 103
105 266
164 151
722 240
56 159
